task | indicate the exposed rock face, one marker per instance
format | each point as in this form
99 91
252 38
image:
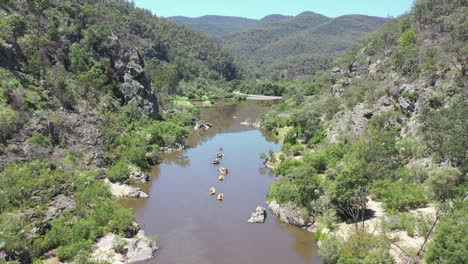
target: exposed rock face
8 56
124 190
135 249
136 88
290 214
258 216
60 204
176 147
202 125
76 130
136 175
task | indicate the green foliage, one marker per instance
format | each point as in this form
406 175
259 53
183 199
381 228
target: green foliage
9 121
400 221
261 87
119 172
297 46
408 38
80 60
445 130
286 165
297 149
444 183
360 247
39 139
399 195
449 243
330 249
18 25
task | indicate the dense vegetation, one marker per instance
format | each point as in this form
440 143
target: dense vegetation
388 123
297 46
217 26
81 89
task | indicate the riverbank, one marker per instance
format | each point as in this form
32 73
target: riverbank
257 97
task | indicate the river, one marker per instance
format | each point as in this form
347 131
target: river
193 227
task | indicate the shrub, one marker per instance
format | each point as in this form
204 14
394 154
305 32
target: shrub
449 243
408 38
283 168
282 191
118 244
330 249
39 139
9 121
400 221
399 195
118 172
360 247
443 182
297 149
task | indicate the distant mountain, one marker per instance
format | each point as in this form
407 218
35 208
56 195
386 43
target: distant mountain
299 45
285 46
216 26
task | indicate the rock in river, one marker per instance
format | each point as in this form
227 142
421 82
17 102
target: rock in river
258 216
290 214
202 126
124 190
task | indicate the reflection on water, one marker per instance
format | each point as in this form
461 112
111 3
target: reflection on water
194 227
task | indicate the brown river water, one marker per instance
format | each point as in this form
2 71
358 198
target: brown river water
193 227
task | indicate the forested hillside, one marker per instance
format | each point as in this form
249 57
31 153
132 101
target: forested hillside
217 26
375 150
81 89
297 46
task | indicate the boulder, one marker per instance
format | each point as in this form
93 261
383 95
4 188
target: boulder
136 175
290 214
258 216
245 123
58 205
124 190
140 248
336 70
202 125
135 249
407 106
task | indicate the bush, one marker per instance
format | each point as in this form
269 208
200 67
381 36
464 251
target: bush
330 249
297 149
444 183
283 168
400 221
361 247
9 121
39 139
119 172
282 191
399 195
449 243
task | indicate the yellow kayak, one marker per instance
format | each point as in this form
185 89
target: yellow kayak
221 177
223 170
212 191
220 196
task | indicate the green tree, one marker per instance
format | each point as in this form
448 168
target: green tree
449 243
80 60
408 38
444 182
18 25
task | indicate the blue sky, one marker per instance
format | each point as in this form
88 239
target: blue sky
260 8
